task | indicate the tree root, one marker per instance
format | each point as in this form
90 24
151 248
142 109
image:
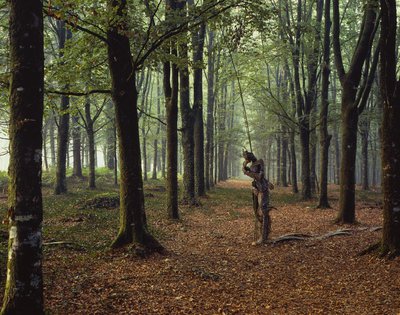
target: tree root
305 237
291 237
374 248
380 251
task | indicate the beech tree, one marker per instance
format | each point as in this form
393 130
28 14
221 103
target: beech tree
63 126
325 138
24 284
390 89
355 93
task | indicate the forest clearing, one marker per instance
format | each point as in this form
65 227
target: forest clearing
210 265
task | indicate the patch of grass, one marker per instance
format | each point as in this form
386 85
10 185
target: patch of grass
3 181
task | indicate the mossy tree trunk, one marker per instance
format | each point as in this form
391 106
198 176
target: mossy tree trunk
132 212
24 284
110 162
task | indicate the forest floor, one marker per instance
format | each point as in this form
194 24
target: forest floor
211 266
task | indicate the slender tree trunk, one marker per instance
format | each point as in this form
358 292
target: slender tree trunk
63 126
187 116
155 143
221 131
295 188
76 144
45 132
163 153
313 150
336 136
364 127
171 75
198 43
284 145
210 112
325 138
132 213
278 159
52 127
24 285
92 151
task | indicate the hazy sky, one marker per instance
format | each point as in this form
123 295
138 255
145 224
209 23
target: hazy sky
3 159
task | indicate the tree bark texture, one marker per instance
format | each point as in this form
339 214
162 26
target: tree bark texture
24 284
187 116
350 82
76 147
63 126
171 81
133 225
210 113
390 92
325 138
198 44
92 151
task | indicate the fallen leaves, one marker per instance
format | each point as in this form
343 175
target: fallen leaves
211 267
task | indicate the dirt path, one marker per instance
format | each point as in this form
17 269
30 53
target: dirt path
212 268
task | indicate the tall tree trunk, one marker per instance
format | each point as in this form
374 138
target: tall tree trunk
155 143
24 285
336 134
63 126
325 138
210 112
76 144
278 159
133 225
171 89
45 132
187 116
163 152
313 150
221 131
198 44
390 130
293 159
92 151
144 92
364 130
284 146
52 127
350 103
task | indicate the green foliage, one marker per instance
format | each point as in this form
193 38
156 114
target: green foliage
3 181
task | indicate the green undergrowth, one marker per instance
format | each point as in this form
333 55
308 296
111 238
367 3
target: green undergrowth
3 181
